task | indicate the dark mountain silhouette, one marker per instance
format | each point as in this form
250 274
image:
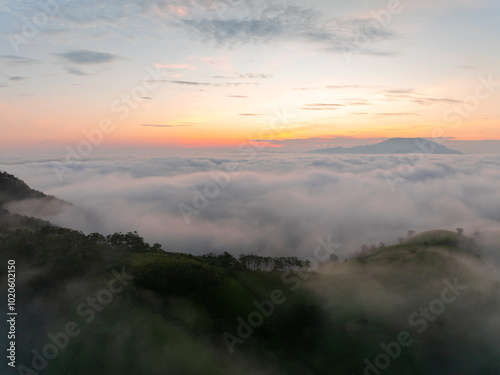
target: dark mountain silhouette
393 146
12 190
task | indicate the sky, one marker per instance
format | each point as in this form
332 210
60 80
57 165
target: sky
171 74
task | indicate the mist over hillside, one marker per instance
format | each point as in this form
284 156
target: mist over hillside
398 308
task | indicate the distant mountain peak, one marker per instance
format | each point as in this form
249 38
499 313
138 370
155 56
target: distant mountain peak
392 146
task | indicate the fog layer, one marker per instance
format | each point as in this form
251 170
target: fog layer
268 203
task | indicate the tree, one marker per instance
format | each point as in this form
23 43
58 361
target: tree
226 260
460 230
156 247
410 233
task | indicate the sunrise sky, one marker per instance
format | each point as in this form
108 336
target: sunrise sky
203 73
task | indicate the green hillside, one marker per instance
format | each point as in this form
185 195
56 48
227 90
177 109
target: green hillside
172 317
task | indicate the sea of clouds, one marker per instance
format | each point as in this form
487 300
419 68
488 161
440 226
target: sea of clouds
267 203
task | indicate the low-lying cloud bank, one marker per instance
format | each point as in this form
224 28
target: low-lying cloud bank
271 204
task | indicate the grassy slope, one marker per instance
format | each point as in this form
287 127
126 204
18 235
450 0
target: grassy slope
389 285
